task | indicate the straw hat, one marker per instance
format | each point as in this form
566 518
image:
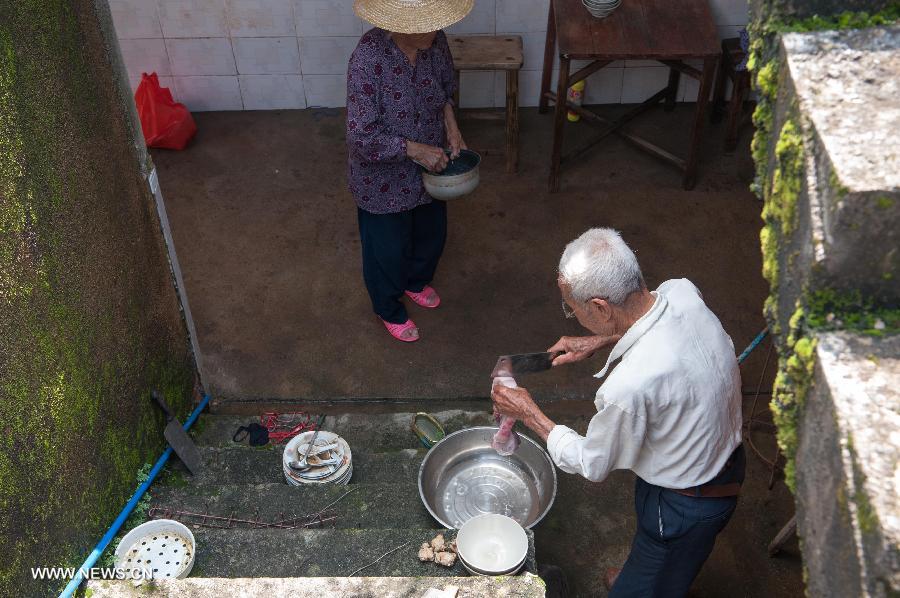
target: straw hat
412 16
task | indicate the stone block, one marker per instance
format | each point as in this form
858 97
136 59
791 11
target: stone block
848 474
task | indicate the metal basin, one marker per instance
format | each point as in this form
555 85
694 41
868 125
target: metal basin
463 477
459 178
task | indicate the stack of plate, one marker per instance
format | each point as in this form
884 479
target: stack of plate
330 460
601 8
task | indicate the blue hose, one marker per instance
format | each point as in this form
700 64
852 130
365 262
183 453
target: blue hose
753 345
127 509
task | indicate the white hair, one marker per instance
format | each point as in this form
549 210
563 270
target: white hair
600 264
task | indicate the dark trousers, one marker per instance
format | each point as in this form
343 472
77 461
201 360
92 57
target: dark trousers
400 253
675 535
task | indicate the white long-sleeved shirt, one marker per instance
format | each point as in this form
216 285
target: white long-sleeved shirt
671 409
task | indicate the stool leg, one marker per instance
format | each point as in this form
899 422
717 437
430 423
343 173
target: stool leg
672 89
718 107
512 121
735 107
549 49
559 122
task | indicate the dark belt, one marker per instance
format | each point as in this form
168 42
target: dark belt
711 491
715 490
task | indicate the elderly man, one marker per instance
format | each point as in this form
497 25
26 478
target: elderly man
670 410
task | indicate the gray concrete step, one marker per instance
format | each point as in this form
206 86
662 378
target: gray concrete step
319 553
373 433
246 465
521 586
373 506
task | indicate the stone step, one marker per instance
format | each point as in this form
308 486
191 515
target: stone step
374 506
245 465
373 433
521 586
320 553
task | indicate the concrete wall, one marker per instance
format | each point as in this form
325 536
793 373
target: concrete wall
89 316
270 54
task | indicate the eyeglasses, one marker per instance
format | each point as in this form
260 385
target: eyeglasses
567 311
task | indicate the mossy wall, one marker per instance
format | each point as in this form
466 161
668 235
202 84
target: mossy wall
89 316
803 298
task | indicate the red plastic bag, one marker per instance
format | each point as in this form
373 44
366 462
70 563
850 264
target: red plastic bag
166 123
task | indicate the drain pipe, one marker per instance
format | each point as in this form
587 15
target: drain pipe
127 509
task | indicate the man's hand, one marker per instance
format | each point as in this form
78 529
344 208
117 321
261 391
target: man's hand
431 157
517 403
577 348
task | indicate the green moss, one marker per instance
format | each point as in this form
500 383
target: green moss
781 204
833 310
845 20
884 203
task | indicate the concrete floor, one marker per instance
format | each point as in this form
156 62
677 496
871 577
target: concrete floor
266 234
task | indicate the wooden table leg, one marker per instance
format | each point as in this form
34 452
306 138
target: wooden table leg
672 89
709 71
512 120
549 51
559 121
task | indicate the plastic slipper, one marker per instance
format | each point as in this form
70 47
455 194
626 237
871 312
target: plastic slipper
399 331
427 297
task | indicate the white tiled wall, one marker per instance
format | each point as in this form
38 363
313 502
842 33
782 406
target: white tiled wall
281 54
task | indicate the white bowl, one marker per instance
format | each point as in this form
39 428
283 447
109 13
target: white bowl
163 548
492 544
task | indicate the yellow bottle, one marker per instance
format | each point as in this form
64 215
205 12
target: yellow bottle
575 95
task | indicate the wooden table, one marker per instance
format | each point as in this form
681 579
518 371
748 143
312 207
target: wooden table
490 53
668 31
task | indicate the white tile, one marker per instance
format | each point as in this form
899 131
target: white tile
272 92
192 18
481 19
204 56
266 55
135 19
517 16
727 31
327 17
530 87
533 49
640 83
260 18
200 94
476 89
145 56
638 63
604 86
326 55
329 91
730 12
688 86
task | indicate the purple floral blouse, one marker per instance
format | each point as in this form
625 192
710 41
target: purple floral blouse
388 102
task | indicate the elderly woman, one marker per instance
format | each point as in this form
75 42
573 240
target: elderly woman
400 87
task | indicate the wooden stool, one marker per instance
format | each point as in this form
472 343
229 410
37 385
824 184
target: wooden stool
732 55
493 53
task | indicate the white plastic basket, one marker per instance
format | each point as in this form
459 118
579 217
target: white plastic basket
158 549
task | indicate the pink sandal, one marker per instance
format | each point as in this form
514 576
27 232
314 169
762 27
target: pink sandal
427 297
398 330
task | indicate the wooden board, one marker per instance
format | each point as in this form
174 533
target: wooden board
486 52
638 29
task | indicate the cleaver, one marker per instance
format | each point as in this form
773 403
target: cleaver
178 439
524 363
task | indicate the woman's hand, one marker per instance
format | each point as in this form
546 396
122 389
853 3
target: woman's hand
454 137
577 348
456 142
431 157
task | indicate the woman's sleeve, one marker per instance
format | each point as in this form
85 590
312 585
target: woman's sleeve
448 80
367 138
